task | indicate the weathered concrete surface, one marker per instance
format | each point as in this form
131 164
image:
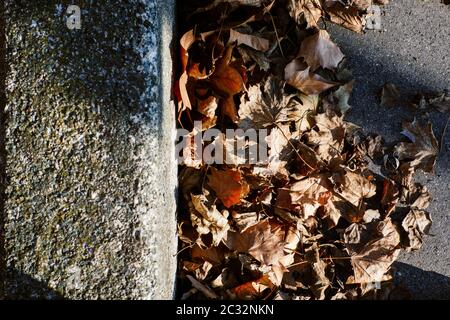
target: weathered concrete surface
412 52
90 200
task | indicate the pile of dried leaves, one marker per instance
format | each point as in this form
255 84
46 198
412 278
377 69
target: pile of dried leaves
331 211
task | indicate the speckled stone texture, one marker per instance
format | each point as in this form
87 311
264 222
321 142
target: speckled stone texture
413 52
90 174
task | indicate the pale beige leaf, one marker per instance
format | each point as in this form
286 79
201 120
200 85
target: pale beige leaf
417 223
319 50
207 219
354 187
310 194
268 105
183 86
304 80
327 136
372 261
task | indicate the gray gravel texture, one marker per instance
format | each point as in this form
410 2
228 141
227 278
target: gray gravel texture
413 52
90 195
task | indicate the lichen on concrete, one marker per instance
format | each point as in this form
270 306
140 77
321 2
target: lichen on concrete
90 208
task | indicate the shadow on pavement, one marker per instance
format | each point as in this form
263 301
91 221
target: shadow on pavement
423 285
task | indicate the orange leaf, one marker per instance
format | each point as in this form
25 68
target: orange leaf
226 79
253 289
229 186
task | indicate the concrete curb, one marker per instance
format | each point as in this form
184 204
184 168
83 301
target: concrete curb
90 195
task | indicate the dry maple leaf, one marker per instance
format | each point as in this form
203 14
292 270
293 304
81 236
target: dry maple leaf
302 79
262 241
186 41
207 219
269 105
309 10
416 223
423 149
291 240
312 193
328 138
252 41
213 255
347 17
319 51
371 261
229 186
417 196
320 282
372 147
279 153
354 187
